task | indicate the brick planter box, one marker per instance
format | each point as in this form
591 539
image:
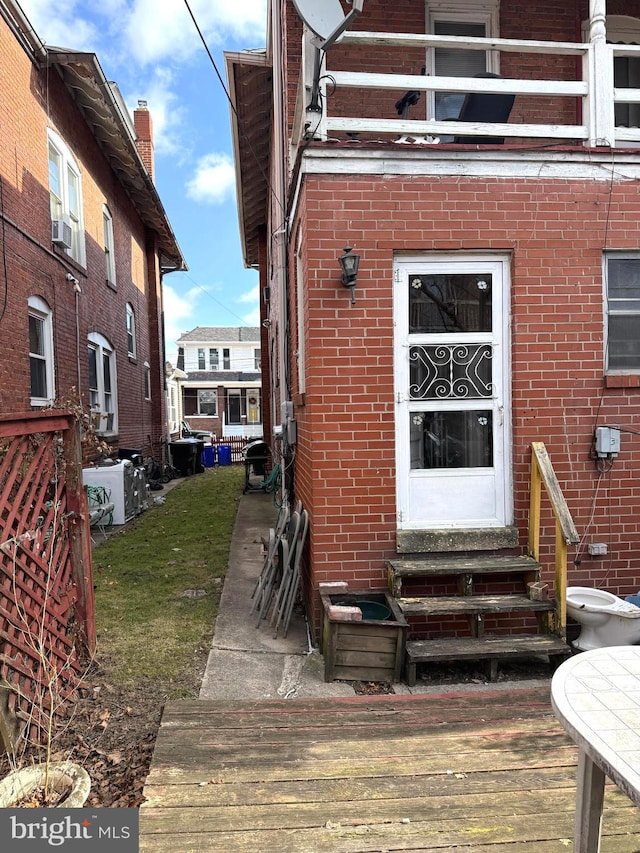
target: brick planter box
367 650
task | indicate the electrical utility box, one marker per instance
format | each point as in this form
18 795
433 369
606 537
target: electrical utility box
607 441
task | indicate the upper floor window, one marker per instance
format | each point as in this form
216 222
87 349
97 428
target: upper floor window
226 359
202 364
472 19
623 29
41 352
214 359
256 359
131 331
109 248
103 389
622 296
65 194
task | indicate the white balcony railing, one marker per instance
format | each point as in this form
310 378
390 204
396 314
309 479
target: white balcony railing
595 91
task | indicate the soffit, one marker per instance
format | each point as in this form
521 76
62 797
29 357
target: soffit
111 126
249 77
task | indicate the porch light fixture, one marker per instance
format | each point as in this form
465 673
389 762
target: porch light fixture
350 263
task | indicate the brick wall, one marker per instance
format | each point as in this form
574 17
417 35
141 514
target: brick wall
30 101
554 232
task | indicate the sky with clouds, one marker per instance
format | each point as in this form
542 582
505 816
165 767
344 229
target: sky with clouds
152 50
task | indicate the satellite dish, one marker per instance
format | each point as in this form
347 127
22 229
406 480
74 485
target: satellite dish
328 22
322 16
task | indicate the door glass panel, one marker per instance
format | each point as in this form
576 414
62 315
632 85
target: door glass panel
451 439
440 304
446 371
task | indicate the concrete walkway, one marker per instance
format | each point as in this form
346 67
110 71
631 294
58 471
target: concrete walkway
245 661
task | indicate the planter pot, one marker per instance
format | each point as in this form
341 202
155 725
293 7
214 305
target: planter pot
369 650
62 777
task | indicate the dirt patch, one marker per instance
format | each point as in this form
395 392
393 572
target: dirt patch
475 672
111 732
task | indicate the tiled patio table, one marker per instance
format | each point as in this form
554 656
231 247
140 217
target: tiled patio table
596 697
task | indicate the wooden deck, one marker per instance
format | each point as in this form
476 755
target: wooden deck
489 772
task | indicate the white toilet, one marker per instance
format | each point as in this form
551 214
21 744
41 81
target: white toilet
606 620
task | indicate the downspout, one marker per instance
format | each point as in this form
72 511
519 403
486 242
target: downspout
77 291
281 235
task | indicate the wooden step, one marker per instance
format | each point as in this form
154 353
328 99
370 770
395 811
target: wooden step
491 649
470 605
480 564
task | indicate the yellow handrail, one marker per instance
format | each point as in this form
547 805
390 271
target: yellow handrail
542 473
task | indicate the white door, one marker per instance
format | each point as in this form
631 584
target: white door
452 346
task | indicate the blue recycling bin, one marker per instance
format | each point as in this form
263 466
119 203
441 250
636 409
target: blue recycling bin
224 454
209 456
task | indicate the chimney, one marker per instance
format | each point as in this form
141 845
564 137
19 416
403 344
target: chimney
144 132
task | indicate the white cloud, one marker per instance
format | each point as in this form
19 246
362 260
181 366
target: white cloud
166 113
180 311
253 318
164 30
214 179
150 31
68 30
250 295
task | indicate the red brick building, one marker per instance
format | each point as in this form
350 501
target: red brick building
497 300
85 242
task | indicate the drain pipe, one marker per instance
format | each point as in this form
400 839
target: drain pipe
77 291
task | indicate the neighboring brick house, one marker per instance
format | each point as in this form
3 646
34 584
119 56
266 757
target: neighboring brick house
85 242
498 293
222 390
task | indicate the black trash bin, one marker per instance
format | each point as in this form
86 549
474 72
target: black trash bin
186 456
134 455
257 456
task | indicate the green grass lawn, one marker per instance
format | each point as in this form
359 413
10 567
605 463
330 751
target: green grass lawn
148 630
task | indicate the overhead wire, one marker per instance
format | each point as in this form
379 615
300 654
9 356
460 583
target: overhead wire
221 304
233 106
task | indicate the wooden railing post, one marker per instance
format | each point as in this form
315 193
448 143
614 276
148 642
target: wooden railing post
542 474
79 536
535 499
561 582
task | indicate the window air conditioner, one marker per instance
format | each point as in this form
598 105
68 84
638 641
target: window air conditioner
61 233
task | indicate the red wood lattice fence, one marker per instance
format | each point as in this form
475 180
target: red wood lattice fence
47 620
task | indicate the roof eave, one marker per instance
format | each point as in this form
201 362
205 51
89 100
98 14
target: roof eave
89 88
250 128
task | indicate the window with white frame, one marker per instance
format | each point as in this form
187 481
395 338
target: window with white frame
173 409
131 330
202 364
109 247
207 402
103 388
41 352
147 381
468 18
226 359
65 194
622 301
256 359
624 29
214 359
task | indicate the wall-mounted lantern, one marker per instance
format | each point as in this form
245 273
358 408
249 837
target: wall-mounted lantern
350 263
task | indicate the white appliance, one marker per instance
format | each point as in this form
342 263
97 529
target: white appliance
126 487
